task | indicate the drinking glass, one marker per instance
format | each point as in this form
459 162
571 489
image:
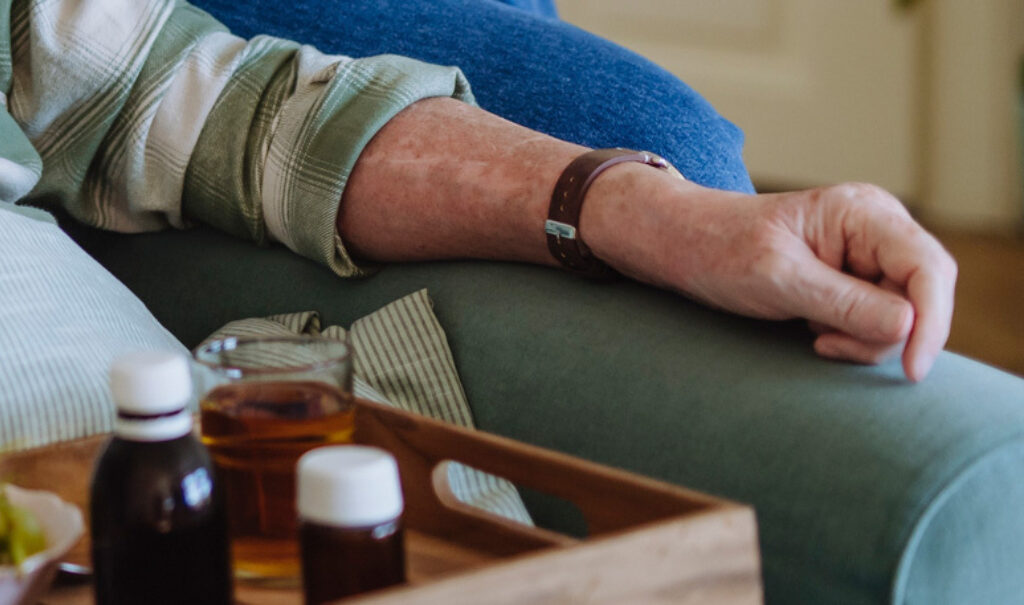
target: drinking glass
265 402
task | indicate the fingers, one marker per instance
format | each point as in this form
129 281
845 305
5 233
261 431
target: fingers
877 239
836 345
931 293
862 322
885 284
912 259
855 307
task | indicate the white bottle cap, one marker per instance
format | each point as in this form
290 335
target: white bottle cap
152 390
349 486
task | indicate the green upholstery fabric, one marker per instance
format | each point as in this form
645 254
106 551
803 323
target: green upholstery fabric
867 489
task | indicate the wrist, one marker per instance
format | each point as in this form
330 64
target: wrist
562 225
626 220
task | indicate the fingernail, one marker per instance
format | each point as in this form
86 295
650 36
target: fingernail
922 366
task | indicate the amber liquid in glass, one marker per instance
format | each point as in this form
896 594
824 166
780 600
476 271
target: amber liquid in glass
256 432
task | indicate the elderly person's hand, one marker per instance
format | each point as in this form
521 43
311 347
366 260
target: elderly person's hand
446 180
848 258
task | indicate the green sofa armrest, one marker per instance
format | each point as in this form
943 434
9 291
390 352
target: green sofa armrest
868 489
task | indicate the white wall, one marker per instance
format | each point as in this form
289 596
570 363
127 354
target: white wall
973 154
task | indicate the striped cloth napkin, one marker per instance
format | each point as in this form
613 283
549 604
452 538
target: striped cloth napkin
401 358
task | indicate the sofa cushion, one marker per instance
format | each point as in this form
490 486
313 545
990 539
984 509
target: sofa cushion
868 489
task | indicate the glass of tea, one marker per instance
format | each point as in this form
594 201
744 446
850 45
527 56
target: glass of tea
264 403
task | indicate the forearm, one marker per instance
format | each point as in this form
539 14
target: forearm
447 180
444 179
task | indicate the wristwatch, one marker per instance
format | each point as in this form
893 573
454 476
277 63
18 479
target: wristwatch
562 225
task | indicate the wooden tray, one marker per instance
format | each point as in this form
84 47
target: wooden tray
648 541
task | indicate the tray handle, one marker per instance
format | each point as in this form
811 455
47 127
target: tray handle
609 499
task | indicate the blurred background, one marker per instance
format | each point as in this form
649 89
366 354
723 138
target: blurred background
923 97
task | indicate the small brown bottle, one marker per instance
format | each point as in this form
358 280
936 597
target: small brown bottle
158 522
350 522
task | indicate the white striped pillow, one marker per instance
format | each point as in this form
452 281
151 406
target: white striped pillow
63 319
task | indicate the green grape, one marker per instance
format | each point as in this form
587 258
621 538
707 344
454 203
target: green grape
20 534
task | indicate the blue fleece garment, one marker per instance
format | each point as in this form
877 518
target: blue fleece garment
524 65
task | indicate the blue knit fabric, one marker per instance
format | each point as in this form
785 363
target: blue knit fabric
524 65
543 8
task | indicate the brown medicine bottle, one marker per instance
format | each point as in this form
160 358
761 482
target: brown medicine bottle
350 526
158 522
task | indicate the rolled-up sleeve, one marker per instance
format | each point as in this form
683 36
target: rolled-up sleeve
143 114
279 145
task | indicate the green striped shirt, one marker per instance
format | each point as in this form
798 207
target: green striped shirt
139 114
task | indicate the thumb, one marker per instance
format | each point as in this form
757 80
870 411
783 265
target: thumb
851 305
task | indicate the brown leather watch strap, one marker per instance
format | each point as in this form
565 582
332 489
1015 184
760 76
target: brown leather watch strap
562 226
